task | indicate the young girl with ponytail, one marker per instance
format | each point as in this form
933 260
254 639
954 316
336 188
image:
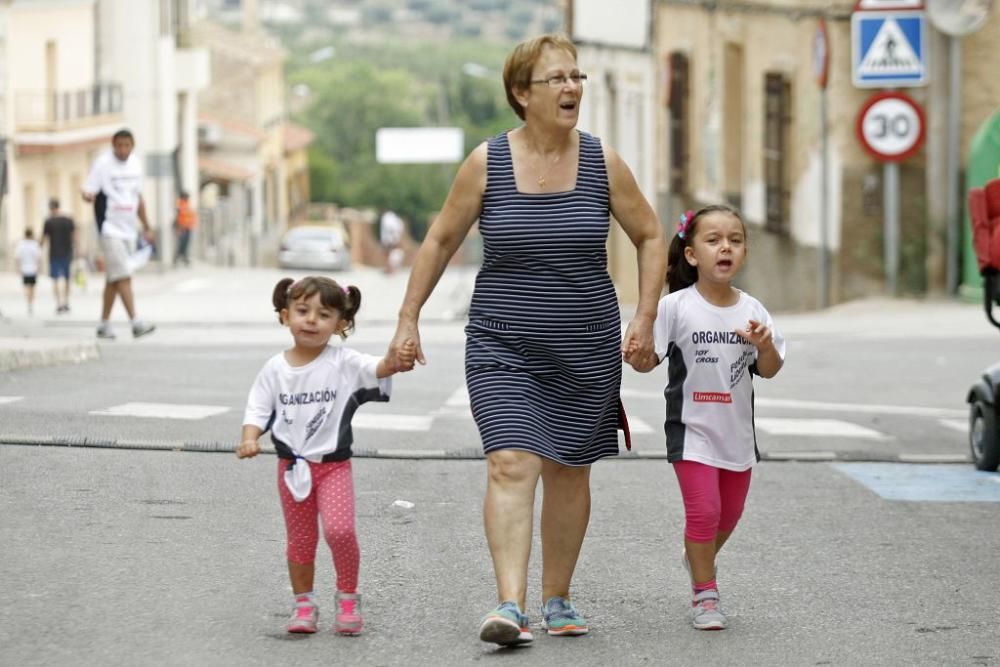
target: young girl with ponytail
306 397
715 338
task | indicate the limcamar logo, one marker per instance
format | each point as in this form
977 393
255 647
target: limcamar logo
712 397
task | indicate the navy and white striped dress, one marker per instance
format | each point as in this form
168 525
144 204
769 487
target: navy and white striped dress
543 343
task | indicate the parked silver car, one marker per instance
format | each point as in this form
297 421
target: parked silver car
318 247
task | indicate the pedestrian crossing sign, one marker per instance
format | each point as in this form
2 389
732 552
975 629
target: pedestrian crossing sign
888 49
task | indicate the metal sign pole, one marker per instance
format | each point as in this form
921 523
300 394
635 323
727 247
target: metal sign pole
953 151
890 196
824 212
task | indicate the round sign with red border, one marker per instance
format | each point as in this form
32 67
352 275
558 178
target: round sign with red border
891 126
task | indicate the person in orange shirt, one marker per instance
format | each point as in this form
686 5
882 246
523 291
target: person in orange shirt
185 223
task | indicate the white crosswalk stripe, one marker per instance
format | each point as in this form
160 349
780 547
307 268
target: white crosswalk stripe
10 399
833 428
161 410
383 422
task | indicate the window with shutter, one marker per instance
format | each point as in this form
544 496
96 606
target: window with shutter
679 117
777 121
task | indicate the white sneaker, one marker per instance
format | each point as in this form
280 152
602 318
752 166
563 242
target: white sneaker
104 331
706 614
140 329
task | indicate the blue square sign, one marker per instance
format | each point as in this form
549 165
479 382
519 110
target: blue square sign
888 49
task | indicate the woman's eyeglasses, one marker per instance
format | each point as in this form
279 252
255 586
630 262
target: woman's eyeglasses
560 80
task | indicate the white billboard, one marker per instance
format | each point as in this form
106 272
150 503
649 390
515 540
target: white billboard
419 145
620 23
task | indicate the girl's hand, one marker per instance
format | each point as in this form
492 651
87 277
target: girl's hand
404 349
757 334
637 345
248 449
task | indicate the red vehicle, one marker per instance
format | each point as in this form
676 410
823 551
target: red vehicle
984 403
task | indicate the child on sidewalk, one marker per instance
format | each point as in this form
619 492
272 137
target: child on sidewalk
28 254
715 338
306 397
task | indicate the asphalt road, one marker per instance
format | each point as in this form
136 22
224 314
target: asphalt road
115 557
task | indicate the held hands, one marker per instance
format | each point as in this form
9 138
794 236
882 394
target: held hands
403 359
757 334
247 449
637 346
404 349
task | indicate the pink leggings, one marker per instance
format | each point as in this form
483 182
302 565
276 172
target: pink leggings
713 499
332 498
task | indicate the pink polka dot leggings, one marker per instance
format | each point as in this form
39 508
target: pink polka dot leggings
332 498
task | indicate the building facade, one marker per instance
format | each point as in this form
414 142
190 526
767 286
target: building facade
740 123
73 72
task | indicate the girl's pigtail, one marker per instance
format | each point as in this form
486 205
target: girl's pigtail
352 302
280 295
680 274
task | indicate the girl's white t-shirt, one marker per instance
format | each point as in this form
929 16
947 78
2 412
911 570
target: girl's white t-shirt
709 417
309 408
28 254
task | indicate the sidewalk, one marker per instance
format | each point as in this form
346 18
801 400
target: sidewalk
203 296
212 298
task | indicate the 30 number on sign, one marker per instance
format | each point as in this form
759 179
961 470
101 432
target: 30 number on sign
891 126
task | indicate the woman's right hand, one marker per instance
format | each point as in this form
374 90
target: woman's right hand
248 449
407 333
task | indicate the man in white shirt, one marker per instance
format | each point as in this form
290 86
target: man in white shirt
114 186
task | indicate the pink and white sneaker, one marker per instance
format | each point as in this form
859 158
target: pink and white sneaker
349 620
304 618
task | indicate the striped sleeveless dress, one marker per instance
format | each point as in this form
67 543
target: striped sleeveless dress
543 343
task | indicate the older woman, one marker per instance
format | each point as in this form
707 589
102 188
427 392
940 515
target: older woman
543 352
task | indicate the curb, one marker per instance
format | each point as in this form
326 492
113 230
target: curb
465 454
16 353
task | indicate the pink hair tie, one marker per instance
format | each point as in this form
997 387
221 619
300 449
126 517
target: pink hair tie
685 223
347 290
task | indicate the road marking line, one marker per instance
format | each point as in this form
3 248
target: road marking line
162 410
799 456
10 399
636 425
961 425
817 428
459 399
384 422
924 483
821 406
865 408
412 453
936 458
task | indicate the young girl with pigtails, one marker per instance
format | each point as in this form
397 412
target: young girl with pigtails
306 396
715 338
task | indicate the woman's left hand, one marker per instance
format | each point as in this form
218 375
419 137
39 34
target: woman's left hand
637 345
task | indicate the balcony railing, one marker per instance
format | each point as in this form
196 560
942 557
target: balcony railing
53 111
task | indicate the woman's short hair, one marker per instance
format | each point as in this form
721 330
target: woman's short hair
521 62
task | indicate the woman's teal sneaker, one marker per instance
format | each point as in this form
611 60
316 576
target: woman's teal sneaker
506 626
560 618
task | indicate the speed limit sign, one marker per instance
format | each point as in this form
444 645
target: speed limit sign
891 126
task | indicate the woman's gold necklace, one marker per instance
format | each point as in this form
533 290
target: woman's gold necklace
541 179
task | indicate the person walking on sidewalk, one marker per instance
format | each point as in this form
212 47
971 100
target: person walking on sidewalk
543 356
185 224
29 256
114 186
306 397
714 338
59 233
